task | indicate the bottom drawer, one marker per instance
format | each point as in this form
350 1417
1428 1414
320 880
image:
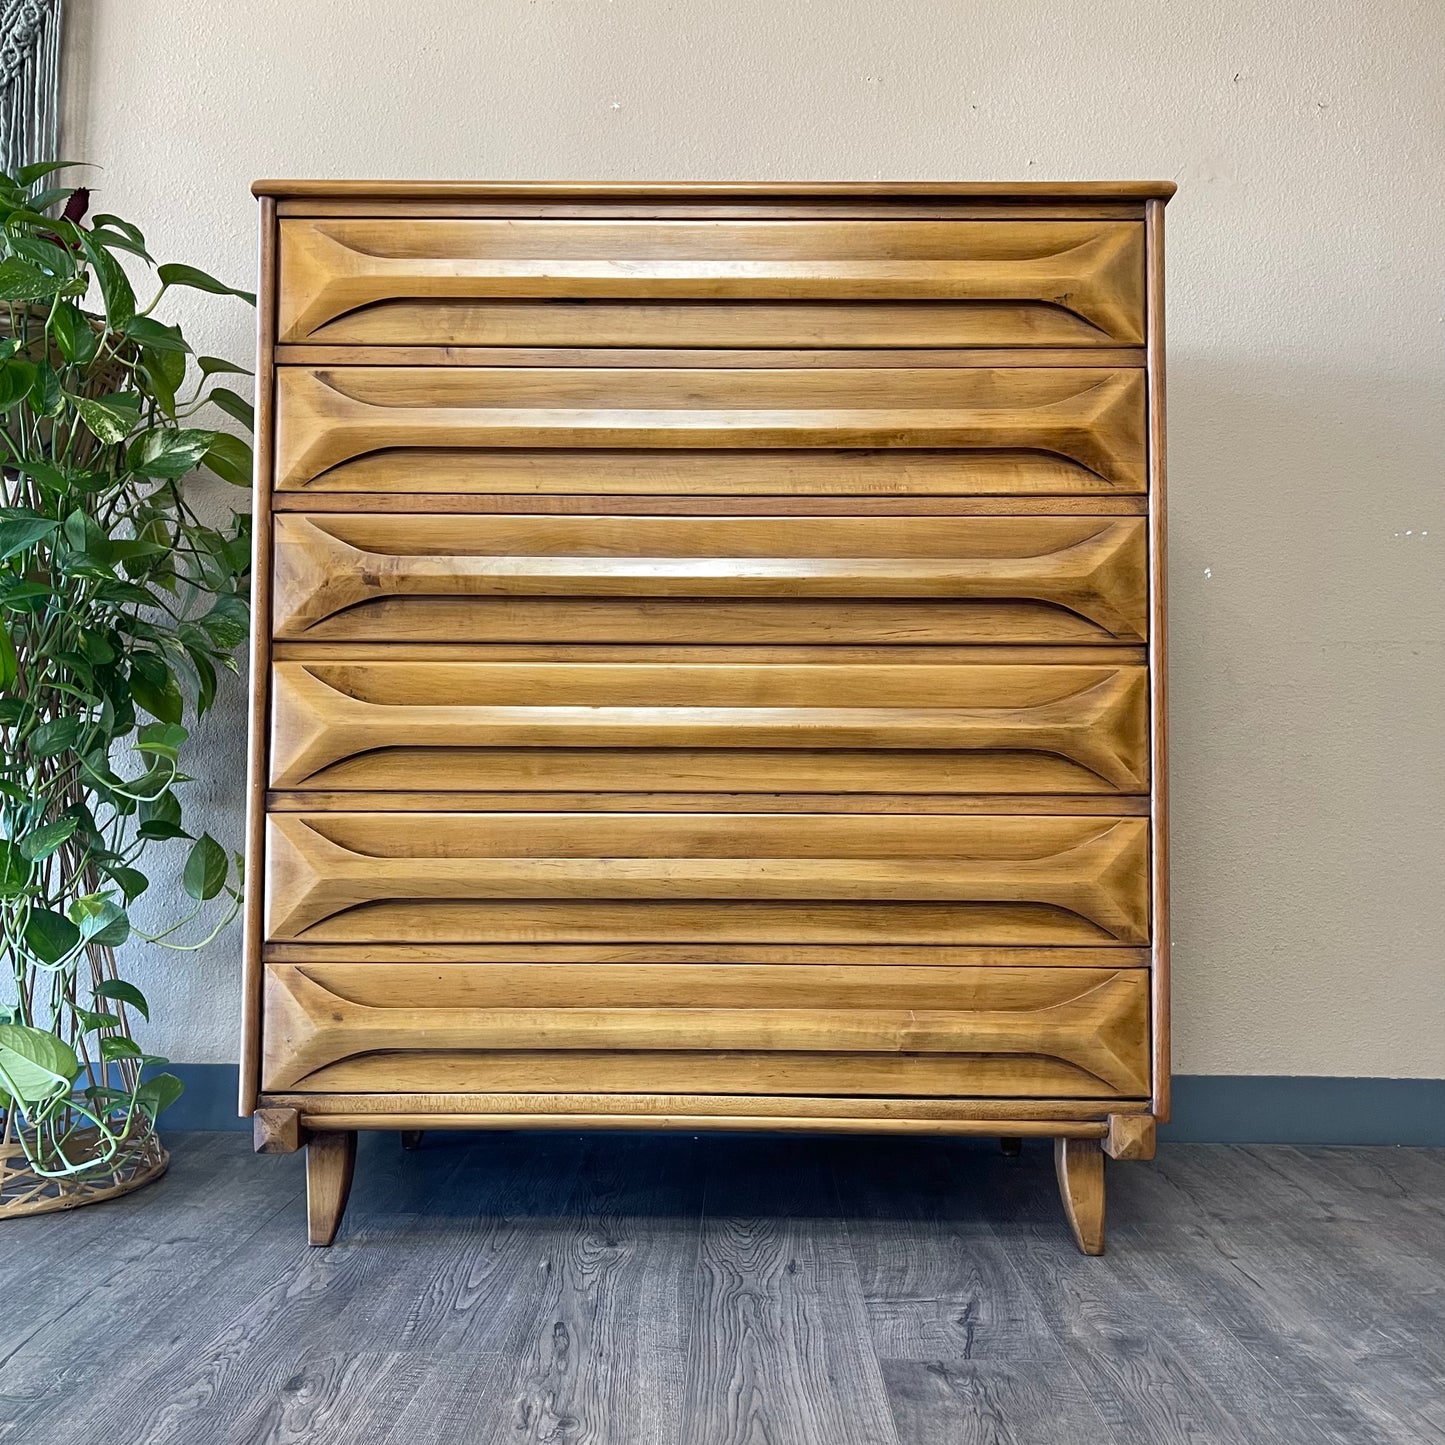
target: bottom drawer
1067 1032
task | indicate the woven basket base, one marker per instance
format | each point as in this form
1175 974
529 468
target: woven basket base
23 1192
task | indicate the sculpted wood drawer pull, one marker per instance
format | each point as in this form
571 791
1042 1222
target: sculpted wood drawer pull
709 666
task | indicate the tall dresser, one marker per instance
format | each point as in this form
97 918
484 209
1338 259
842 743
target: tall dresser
709 666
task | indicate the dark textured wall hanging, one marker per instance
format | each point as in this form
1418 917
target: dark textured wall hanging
29 81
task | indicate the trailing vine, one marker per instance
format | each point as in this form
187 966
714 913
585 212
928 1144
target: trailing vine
121 608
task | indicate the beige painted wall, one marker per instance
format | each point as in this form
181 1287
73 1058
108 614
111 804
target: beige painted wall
1308 389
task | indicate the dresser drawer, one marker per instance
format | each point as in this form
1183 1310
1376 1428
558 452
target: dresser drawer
374 281
400 578
680 878
709 727
450 1028
667 430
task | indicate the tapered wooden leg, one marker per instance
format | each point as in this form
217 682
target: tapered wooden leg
1080 1167
330 1160
1011 1146
411 1138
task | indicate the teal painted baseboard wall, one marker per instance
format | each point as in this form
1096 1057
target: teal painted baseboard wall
1208 1108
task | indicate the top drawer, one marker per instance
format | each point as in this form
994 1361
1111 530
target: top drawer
372 281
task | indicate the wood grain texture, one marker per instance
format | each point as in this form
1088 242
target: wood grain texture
744 283
427 578
259 654
834 729
1087 1118
1071 1031
778 1344
513 429
1130 1136
456 877
771 191
709 501
710 358
1079 1164
330 1164
717 654
1251 1295
276 1131
1159 660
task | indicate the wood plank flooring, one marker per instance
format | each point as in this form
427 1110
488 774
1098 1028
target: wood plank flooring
735 1290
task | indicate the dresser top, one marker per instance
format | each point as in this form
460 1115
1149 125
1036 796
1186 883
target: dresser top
724 190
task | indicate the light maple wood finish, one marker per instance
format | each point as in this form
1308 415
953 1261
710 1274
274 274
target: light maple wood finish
712 669
364 281
410 192
1158 662
1130 1136
1079 1164
766 727
651 430
330 1164
259 654
427 578
276 1131
713 953
708 505
1069 1032
459 877
711 358
1088 1118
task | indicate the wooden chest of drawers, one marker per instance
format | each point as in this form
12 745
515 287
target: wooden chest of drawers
708 665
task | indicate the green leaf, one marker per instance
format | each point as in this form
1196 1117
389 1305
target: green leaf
20 281
159 830
14 871
116 223
35 1066
123 992
211 365
236 406
156 690
115 287
10 661
101 920
17 376
118 1047
155 334
41 842
46 397
74 335
206 869
118 241
167 453
50 936
230 458
131 881
228 623
55 736
176 275
96 1021
111 418
26 176
159 1092
17 533
161 739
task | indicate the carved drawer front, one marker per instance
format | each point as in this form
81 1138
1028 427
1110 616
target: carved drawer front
756 1028
700 431
725 727
679 878
368 577
369 281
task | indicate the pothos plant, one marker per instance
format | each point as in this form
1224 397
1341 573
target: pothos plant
119 606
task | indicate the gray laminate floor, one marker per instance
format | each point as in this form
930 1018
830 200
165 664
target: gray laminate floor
625 1290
